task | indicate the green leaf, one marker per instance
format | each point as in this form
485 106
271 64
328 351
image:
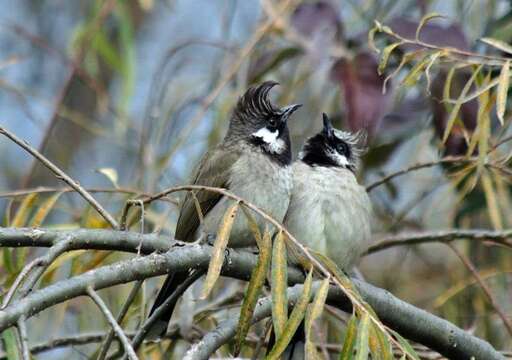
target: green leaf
347 350
501 45
492 202
362 338
312 315
10 344
405 345
501 98
424 20
385 56
219 247
294 321
256 283
371 39
279 279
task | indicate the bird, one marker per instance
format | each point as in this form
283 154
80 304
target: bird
329 211
253 162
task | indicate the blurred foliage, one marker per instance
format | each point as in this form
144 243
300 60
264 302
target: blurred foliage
133 92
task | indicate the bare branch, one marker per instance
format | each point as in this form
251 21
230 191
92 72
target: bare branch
62 176
443 236
124 310
22 328
488 293
413 323
113 323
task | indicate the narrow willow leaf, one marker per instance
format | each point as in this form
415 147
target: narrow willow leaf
379 344
492 203
458 104
431 62
256 283
347 350
218 250
498 44
415 73
312 315
253 225
501 100
448 85
424 20
371 39
294 321
405 59
363 333
337 273
279 279
20 219
405 345
10 345
385 56
111 174
44 210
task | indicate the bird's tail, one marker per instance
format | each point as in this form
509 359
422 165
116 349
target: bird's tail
295 349
170 287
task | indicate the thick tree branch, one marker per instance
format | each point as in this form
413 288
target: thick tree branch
444 236
413 323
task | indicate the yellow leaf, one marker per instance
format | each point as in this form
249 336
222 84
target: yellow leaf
362 338
312 315
415 73
279 282
253 226
498 44
219 247
350 339
501 100
492 203
424 20
44 210
256 283
458 104
385 56
294 321
20 219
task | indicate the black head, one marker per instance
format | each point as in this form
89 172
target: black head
262 124
332 147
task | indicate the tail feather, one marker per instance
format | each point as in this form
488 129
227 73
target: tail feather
170 286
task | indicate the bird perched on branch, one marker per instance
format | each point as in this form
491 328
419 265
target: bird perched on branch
253 162
329 211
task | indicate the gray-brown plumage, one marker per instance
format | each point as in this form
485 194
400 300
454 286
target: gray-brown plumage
252 162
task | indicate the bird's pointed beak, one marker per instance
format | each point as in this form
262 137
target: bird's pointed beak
287 111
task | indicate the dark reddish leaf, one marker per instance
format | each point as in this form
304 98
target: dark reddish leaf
313 19
362 91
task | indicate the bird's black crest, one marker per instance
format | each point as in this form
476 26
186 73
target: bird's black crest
255 102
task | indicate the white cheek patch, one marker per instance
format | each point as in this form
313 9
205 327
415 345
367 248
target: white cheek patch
339 159
270 138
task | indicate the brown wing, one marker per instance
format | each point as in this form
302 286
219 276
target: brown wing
213 170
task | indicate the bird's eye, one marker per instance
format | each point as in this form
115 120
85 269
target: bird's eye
272 121
342 148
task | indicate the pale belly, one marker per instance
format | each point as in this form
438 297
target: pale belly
266 185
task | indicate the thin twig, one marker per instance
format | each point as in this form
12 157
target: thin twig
62 175
488 293
124 310
22 327
23 273
113 323
443 236
445 160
